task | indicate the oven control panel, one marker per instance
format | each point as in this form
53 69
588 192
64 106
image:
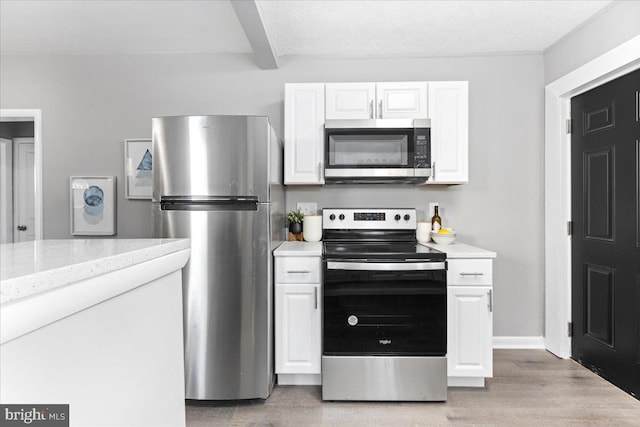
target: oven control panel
368 219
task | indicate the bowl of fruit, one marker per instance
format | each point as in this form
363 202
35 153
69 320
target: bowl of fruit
444 236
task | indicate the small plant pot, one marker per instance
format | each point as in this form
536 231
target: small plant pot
295 228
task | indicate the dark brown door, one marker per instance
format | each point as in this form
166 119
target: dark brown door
605 167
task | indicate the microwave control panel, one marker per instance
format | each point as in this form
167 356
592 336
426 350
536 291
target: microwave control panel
422 148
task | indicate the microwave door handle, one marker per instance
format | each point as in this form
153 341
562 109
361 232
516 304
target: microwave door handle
380 111
372 108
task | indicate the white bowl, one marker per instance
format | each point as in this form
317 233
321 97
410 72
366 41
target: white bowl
443 239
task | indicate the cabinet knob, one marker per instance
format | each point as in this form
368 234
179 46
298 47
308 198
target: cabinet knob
22 228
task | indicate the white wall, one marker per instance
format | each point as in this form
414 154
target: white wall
91 103
616 24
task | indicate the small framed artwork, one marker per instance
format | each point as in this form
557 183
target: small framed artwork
93 205
138 168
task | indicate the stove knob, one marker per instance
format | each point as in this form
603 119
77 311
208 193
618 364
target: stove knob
407 217
397 217
341 217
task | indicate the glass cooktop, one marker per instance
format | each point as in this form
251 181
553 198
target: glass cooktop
381 250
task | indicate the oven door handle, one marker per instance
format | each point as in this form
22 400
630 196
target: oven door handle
386 266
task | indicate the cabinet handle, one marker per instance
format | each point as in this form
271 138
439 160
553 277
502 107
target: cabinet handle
433 171
320 171
371 106
472 274
315 297
380 111
298 272
490 305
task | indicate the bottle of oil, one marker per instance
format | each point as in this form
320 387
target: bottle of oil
436 222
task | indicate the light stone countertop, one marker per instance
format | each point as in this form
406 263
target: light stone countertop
299 249
461 250
454 250
30 268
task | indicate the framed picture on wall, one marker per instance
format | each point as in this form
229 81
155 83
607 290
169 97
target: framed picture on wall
138 168
93 205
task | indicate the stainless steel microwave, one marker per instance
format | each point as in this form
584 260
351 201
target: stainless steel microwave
377 151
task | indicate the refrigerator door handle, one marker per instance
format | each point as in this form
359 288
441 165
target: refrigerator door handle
207 199
212 203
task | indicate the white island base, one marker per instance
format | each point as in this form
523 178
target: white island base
109 344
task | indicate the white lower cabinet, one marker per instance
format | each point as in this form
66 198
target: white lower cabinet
469 322
298 320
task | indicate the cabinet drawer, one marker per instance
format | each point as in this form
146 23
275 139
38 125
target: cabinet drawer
298 269
470 272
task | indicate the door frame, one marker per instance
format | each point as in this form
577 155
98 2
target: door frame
35 116
557 186
6 189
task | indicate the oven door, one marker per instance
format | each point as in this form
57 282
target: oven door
384 308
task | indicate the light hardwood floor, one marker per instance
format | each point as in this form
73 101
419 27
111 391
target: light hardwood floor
529 388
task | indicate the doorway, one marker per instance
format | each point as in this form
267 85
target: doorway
17 173
21 187
605 197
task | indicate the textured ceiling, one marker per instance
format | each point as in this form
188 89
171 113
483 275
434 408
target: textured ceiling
316 28
421 28
120 26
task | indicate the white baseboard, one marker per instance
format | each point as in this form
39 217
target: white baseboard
519 342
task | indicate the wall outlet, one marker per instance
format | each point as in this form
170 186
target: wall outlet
307 208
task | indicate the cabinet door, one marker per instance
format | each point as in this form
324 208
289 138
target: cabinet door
469 331
350 100
406 100
304 133
449 114
297 329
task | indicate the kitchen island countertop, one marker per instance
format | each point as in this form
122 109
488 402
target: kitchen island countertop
96 324
29 268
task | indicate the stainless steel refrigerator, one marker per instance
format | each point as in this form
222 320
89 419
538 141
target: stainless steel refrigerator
218 181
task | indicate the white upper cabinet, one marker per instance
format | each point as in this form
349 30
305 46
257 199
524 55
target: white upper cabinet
308 105
449 114
350 101
406 100
304 133
391 100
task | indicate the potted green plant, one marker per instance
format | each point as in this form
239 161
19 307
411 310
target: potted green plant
295 221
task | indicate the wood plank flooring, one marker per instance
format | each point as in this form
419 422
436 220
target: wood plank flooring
529 388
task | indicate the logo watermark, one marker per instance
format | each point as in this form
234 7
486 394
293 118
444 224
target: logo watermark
34 415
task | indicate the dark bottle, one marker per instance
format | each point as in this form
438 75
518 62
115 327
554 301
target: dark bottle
436 222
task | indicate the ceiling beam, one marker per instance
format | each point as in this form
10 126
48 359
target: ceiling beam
251 21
